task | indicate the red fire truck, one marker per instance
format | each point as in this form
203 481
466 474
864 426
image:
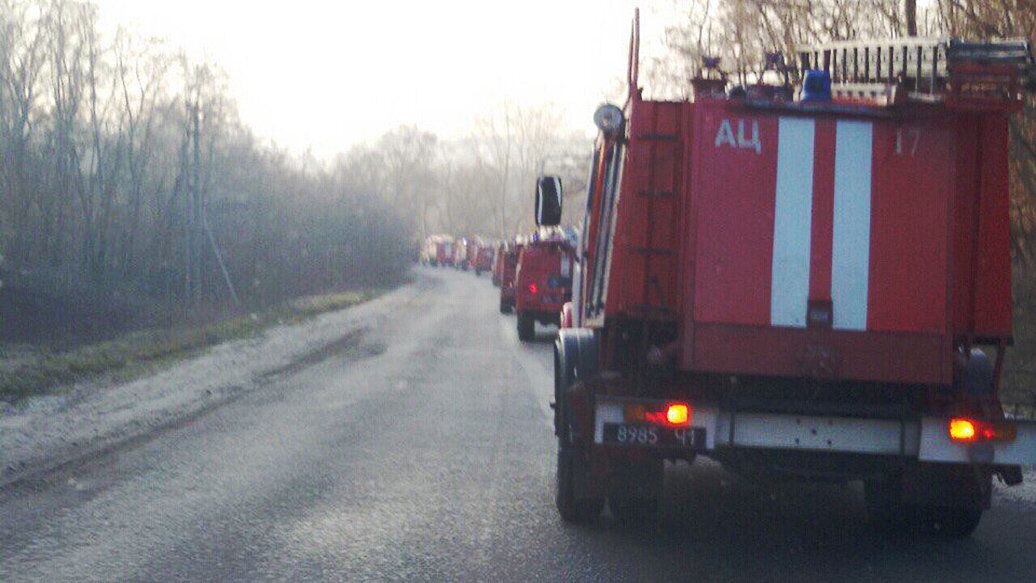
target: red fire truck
438 250
543 283
462 254
507 273
812 285
483 258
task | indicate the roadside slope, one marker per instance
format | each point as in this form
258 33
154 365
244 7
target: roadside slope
42 432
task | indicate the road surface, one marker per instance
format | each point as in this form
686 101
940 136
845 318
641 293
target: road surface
422 449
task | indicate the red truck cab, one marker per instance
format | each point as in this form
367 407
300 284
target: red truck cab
803 288
543 284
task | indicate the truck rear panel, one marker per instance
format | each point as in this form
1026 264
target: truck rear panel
853 244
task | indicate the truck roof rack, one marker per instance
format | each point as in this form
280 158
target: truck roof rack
959 73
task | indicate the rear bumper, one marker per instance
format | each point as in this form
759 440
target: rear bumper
926 439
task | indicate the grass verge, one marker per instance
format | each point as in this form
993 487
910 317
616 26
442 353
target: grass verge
138 353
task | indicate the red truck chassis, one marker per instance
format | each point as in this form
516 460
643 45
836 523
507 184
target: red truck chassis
801 288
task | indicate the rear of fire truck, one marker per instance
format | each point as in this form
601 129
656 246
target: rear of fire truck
543 283
807 282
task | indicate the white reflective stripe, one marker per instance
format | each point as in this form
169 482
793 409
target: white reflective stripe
851 244
832 434
792 223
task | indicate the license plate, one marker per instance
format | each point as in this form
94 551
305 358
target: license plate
653 435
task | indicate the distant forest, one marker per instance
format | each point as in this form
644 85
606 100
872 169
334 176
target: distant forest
132 194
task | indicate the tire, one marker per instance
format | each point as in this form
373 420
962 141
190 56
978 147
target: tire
478 273
953 523
505 305
889 514
572 470
526 327
886 514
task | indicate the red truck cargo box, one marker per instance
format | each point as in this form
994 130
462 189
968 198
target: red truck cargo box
850 246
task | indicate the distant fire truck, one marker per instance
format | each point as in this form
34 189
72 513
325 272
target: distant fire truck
507 273
438 250
483 257
498 262
543 283
810 284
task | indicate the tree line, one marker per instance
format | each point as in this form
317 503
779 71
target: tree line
131 192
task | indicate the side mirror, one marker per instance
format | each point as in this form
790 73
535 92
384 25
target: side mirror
548 201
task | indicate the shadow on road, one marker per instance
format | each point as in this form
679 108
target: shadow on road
714 522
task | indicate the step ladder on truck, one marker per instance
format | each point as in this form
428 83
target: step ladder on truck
800 282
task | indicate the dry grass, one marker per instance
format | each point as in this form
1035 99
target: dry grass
140 352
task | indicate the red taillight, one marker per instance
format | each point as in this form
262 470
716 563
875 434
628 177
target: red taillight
963 430
970 430
533 289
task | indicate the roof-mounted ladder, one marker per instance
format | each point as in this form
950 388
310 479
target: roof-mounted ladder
926 69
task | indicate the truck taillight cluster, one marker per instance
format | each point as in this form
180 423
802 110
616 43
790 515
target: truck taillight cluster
967 430
669 415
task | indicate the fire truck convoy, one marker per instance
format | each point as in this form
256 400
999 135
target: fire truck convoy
813 286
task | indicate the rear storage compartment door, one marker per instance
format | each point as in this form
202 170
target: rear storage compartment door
845 217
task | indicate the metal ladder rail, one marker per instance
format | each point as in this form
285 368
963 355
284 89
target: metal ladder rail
649 251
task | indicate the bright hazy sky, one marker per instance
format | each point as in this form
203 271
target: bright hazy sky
331 74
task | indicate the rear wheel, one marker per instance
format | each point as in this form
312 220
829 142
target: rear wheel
954 516
526 327
505 305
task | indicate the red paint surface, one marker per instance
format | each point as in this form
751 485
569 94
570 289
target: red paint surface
909 258
823 211
735 196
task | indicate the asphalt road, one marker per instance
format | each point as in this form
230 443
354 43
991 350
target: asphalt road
423 451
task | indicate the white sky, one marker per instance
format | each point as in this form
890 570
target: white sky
331 74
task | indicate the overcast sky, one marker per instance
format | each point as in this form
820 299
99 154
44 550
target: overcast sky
331 74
